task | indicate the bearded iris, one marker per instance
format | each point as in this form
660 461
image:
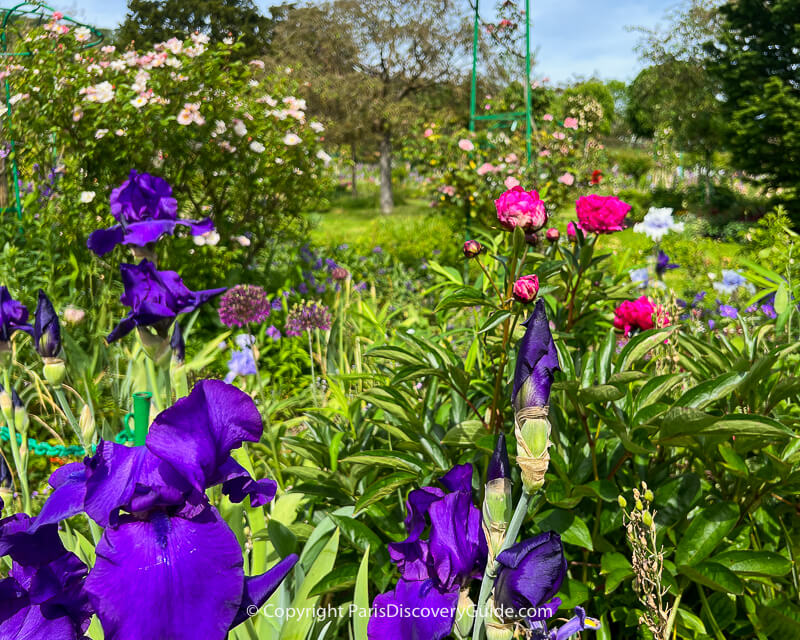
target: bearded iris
145 210
13 317
156 298
44 595
167 563
663 264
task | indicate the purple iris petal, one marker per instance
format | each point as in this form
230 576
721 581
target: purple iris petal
155 296
197 434
237 484
188 576
46 329
499 464
530 573
459 478
537 360
139 234
13 316
580 622
390 618
258 589
457 546
663 264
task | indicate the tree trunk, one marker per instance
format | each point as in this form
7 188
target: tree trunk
354 175
387 200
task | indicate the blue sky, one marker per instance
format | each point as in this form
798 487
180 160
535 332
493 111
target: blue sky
572 37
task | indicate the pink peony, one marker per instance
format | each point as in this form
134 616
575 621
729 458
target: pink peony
526 288
552 234
511 182
520 208
544 153
465 145
567 179
472 249
601 214
486 167
571 123
639 314
572 235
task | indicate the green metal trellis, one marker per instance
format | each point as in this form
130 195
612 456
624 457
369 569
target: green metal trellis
474 117
35 13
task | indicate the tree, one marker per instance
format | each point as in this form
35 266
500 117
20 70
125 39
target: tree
756 60
150 21
401 50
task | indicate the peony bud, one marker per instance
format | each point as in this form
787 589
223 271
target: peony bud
526 288
473 248
552 234
572 234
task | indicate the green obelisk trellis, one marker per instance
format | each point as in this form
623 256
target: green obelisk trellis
35 14
526 114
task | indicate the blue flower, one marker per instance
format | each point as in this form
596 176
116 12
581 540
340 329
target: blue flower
727 311
640 276
731 281
241 363
663 264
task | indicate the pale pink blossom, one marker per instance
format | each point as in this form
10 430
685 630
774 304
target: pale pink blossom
465 145
510 182
567 179
571 123
547 117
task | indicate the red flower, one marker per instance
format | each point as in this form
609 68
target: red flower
597 176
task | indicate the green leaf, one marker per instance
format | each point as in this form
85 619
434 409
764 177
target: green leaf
384 457
297 628
604 357
706 530
359 534
572 529
710 391
781 298
465 433
640 345
691 622
683 420
383 487
600 393
361 600
281 538
340 578
494 319
466 297
755 563
715 576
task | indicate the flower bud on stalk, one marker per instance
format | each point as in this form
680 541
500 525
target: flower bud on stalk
179 380
86 424
495 628
155 346
472 249
537 361
497 503
465 614
47 340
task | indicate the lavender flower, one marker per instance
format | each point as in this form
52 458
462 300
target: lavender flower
242 363
307 317
727 311
244 304
769 311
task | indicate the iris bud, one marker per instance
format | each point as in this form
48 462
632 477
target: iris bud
156 347
533 442
465 614
46 328
495 628
86 424
497 502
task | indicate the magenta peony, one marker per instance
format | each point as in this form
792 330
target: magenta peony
520 208
526 288
601 214
639 314
472 248
572 236
552 234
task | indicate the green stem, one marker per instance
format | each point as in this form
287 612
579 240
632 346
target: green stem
313 375
672 615
21 468
73 423
714 626
487 583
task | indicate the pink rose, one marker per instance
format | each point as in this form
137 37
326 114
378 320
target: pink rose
57 15
520 208
544 153
601 214
572 235
552 234
547 117
485 168
428 133
511 182
559 135
639 314
571 123
567 179
526 288
465 145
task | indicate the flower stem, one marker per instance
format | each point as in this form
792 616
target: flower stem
313 375
73 423
487 583
20 466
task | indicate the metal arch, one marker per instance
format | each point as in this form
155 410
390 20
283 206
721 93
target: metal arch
527 115
42 12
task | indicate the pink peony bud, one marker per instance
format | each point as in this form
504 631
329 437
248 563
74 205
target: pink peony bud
571 233
428 133
520 208
526 288
472 248
552 234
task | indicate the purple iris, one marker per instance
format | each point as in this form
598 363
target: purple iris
537 361
528 577
156 298
433 571
46 329
145 209
168 564
13 316
44 595
663 264
499 464
579 622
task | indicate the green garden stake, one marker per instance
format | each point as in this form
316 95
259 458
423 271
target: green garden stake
141 416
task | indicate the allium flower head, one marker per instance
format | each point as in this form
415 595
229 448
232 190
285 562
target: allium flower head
601 214
520 208
657 223
307 317
244 304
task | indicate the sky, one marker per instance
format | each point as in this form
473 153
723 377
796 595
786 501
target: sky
572 38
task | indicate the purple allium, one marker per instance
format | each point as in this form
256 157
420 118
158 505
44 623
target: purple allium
307 317
244 304
339 273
